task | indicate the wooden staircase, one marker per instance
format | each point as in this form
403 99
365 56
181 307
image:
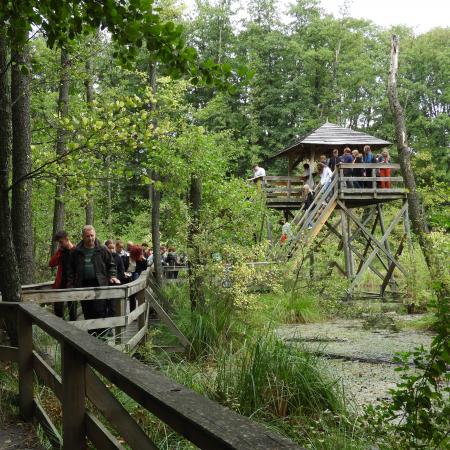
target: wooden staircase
306 225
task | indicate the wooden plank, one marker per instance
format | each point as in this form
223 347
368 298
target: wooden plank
368 166
99 435
83 294
379 244
8 353
137 312
366 191
351 178
25 353
78 295
93 324
134 341
73 401
379 247
115 413
323 217
47 375
392 266
200 420
165 318
47 425
354 250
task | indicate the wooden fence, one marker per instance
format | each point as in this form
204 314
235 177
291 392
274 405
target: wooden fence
119 294
87 404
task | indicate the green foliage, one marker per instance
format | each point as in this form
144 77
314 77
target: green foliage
264 374
418 415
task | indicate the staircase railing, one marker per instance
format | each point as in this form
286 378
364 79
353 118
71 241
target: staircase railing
326 196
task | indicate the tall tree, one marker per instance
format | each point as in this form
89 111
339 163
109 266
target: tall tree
155 190
21 158
89 88
195 277
61 149
404 153
9 281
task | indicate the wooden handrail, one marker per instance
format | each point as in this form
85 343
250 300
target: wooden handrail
368 166
200 420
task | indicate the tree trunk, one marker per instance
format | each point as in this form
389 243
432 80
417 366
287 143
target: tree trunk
195 278
21 156
156 239
63 110
155 193
89 208
404 154
10 287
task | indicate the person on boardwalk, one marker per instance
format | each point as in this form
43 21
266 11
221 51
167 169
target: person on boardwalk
139 262
385 172
334 160
286 232
357 172
308 175
308 195
62 260
124 255
368 158
347 158
325 174
92 265
120 271
172 262
258 172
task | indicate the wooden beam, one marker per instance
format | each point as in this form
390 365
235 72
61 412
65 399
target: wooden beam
380 247
355 251
25 335
99 435
165 318
117 415
73 397
200 420
392 266
377 243
47 425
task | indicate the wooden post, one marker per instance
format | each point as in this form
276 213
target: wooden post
290 164
386 245
140 299
73 398
351 259
346 248
25 335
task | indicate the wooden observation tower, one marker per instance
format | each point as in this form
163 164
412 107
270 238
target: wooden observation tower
370 237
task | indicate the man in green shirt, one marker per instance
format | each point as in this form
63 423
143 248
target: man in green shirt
92 265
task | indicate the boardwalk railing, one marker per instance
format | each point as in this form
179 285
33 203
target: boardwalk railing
374 185
286 191
87 366
119 294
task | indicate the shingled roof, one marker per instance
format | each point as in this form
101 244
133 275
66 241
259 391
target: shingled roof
330 135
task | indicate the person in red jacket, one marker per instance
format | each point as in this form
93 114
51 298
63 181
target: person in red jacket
385 159
62 260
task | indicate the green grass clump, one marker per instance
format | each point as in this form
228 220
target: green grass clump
266 376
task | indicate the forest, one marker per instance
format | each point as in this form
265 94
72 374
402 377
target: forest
145 118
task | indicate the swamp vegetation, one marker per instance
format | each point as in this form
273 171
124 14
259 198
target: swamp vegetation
150 136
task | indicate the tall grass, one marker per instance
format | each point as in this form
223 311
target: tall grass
266 376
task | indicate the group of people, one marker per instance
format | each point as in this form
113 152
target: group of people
91 264
326 167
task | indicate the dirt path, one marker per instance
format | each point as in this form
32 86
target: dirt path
359 357
18 436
